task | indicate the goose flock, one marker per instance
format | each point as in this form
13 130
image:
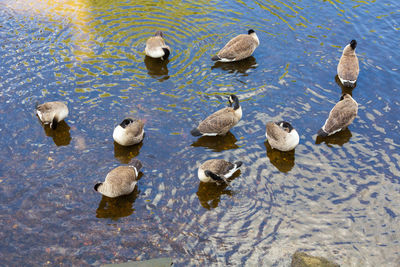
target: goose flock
280 135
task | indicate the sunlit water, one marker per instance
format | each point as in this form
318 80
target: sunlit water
338 198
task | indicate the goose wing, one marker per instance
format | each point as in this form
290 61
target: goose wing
44 107
218 166
46 111
274 131
341 116
348 67
121 175
155 42
121 180
136 128
241 46
219 122
226 166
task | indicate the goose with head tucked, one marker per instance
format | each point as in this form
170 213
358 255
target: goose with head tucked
52 113
217 170
238 48
120 181
156 47
348 68
282 135
129 132
221 121
341 116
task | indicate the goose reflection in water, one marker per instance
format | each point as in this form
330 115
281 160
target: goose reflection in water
345 89
282 160
124 154
339 138
60 135
217 143
115 208
157 68
241 66
209 194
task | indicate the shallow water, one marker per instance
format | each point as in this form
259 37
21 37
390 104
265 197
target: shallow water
337 197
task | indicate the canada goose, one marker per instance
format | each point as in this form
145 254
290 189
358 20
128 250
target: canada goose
217 170
341 116
156 47
120 181
348 68
240 47
221 121
282 135
52 113
129 132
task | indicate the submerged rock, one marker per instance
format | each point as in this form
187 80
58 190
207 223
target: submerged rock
301 259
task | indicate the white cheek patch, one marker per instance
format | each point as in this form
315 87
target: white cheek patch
40 115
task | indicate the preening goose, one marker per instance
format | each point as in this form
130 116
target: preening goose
240 47
282 135
341 116
129 132
120 181
52 113
156 47
217 170
221 121
348 68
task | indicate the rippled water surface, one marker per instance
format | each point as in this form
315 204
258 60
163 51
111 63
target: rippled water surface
338 197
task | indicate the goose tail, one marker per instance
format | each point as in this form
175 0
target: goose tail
322 133
196 132
215 58
137 164
238 164
349 84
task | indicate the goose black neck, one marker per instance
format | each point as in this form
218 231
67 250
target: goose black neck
236 103
353 44
96 186
166 53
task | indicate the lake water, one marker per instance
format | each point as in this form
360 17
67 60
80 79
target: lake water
338 198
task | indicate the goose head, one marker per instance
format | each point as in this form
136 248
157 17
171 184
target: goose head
126 122
285 126
353 44
350 48
233 99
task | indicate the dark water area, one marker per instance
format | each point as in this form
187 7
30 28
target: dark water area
337 197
